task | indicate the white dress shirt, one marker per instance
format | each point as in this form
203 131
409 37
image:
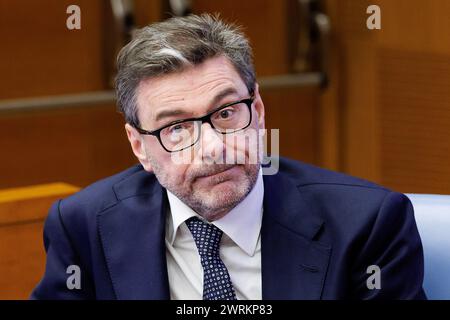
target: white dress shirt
240 247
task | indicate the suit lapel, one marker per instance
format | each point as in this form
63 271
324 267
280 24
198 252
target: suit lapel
293 264
132 233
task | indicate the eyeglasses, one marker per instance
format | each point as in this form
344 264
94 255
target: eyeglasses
183 134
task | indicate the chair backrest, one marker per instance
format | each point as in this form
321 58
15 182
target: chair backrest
432 213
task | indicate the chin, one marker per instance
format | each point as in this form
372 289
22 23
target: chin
224 195
221 187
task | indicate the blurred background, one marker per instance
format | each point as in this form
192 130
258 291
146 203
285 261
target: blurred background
371 103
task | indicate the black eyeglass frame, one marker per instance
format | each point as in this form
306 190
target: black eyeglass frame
206 118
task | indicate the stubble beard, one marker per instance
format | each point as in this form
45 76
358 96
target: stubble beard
207 203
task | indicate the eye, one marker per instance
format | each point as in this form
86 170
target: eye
180 128
226 113
178 132
177 128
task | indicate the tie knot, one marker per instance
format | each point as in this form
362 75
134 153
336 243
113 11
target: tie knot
206 236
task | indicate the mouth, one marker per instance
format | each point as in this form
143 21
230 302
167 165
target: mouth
219 175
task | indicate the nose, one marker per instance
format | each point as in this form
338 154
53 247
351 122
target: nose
212 147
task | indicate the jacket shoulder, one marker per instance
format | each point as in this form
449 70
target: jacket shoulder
101 194
80 210
304 175
336 194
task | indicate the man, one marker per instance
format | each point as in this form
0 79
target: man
192 222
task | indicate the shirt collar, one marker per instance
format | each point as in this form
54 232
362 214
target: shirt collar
242 224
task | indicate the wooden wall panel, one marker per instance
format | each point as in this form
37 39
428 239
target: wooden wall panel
78 145
415 121
265 22
294 112
414 25
40 56
394 104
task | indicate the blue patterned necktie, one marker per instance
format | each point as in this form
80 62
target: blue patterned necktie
216 280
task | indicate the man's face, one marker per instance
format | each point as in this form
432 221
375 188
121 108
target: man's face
208 182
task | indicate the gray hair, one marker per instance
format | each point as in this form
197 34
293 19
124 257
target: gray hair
172 45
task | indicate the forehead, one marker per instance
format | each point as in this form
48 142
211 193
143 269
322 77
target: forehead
193 86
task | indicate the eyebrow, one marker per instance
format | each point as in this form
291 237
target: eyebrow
177 112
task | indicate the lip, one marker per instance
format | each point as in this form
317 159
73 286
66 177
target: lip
218 173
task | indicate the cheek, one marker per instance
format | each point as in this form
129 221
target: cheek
171 168
166 165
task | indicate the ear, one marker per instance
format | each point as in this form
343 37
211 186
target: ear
259 107
138 147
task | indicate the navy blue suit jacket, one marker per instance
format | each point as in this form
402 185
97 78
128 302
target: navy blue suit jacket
321 230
